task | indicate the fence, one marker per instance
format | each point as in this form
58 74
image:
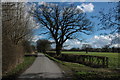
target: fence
89 60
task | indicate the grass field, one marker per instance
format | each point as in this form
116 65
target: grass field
113 57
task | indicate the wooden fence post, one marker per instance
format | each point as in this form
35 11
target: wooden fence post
103 63
106 62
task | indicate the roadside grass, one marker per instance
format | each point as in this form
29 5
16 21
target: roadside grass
20 68
113 57
83 72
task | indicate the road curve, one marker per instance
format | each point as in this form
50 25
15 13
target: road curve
43 68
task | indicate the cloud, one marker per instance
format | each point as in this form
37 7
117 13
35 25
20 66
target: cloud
86 7
32 23
102 40
73 0
36 37
30 7
36 25
115 45
42 3
14 0
72 43
96 41
81 0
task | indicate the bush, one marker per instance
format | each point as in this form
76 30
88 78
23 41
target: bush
89 60
11 55
19 68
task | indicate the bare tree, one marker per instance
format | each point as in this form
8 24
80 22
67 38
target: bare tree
16 23
106 47
16 28
110 20
86 47
62 23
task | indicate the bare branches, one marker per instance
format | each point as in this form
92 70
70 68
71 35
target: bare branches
16 22
62 22
110 20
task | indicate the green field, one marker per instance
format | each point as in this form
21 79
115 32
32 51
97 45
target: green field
113 57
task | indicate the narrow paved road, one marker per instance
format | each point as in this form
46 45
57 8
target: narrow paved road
43 68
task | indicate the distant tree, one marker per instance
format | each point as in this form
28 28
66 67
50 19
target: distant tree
28 48
86 47
116 41
106 48
33 48
62 22
43 45
74 49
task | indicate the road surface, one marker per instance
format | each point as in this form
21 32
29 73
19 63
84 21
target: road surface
43 68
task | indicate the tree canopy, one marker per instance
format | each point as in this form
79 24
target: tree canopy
86 47
43 45
62 22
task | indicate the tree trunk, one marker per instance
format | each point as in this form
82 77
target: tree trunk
58 49
86 51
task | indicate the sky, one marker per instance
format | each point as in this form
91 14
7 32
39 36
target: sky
91 8
60 0
95 39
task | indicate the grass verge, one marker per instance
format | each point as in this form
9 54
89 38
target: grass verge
82 72
20 68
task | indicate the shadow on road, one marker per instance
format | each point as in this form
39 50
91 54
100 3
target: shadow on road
63 78
42 75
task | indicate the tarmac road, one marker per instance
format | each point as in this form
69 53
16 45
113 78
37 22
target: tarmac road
43 68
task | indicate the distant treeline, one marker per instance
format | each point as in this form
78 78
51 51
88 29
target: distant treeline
113 49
